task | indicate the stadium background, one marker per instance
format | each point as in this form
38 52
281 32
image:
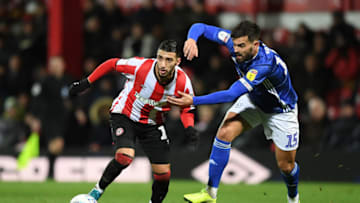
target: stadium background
320 48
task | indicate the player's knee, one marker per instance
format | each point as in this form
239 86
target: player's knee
123 159
286 166
162 176
224 134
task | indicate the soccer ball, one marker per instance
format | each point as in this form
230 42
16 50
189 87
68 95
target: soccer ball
83 198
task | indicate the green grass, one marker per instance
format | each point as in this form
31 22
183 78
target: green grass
269 192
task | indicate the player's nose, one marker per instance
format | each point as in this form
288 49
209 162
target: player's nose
162 63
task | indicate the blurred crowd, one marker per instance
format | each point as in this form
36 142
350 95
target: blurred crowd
324 67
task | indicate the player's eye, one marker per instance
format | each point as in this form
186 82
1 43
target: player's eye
169 59
241 45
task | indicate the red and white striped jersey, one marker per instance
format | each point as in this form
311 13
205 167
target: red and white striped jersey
143 99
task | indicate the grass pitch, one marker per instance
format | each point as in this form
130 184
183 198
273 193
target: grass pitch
269 192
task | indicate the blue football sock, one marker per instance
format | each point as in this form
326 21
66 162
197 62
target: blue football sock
292 180
218 159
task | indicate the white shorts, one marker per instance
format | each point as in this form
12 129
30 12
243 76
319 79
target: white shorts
282 128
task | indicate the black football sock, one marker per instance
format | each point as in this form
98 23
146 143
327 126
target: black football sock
160 187
159 191
112 170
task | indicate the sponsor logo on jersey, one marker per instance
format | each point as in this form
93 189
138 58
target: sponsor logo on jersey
251 74
151 102
119 131
223 36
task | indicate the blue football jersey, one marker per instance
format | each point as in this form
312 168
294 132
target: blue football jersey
265 75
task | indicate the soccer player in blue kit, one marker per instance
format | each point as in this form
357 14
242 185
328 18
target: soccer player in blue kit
264 96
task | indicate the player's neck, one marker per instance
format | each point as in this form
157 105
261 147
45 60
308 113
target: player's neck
256 51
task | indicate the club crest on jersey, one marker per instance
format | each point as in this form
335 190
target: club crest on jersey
119 131
223 36
251 74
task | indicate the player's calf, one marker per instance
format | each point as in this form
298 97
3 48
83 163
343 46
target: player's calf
291 180
160 187
112 170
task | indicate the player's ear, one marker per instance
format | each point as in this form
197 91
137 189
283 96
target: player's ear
178 60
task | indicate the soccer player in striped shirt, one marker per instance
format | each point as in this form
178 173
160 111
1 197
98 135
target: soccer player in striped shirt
264 96
137 113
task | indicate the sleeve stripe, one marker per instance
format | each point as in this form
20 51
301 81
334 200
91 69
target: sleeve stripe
102 69
126 69
123 67
246 84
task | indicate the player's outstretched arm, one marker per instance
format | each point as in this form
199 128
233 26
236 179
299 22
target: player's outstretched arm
236 90
183 101
79 86
225 96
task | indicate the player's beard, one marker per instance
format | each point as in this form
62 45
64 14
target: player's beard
167 74
245 56
165 79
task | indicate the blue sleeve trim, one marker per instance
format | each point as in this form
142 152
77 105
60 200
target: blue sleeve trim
236 90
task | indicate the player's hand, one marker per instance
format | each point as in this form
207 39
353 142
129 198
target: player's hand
33 122
191 138
190 49
183 101
78 86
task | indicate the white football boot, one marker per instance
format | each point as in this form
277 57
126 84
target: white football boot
293 200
